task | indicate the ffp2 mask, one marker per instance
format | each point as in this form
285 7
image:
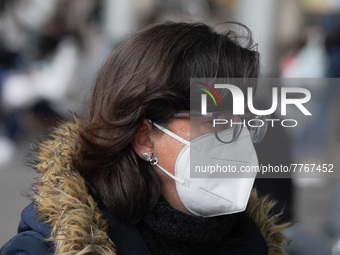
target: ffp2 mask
208 197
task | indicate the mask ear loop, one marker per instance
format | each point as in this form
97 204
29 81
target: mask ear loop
168 132
171 176
154 162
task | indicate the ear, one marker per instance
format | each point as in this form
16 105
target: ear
142 142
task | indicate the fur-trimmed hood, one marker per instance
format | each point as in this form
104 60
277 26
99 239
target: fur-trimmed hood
62 200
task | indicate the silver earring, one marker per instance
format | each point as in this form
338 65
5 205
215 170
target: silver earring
152 159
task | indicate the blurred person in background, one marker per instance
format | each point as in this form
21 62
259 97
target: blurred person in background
332 45
316 55
46 54
114 182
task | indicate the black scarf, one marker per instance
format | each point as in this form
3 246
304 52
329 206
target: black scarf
166 230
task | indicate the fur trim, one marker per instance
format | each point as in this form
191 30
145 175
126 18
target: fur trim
62 199
258 210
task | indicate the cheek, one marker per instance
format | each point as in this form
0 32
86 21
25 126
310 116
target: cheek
166 150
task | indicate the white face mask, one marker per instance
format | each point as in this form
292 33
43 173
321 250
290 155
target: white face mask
208 197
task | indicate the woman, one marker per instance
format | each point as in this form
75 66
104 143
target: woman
110 183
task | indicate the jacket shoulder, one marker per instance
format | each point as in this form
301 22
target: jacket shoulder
31 237
28 243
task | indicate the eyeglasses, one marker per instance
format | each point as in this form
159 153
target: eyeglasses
226 126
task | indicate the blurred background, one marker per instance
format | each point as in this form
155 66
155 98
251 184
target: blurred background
51 50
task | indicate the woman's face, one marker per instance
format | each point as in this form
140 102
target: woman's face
166 148
151 140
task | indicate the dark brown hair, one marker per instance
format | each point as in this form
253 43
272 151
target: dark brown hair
148 77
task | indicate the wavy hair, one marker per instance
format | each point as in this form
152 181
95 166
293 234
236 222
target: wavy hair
148 77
